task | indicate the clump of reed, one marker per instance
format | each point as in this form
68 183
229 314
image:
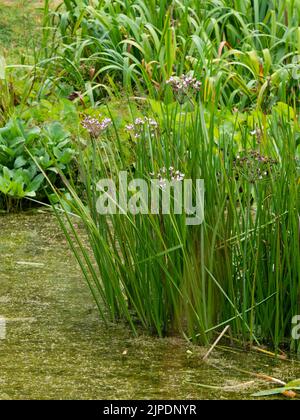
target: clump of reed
239 267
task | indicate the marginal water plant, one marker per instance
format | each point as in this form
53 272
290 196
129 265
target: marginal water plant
20 176
240 267
173 90
246 51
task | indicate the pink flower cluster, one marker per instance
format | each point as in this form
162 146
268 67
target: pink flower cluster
165 175
253 165
94 126
184 84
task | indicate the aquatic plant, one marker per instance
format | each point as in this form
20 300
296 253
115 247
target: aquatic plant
138 127
289 390
242 52
94 126
240 267
23 149
213 89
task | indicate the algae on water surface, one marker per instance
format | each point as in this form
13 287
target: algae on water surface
57 348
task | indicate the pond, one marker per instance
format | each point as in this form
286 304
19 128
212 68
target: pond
56 347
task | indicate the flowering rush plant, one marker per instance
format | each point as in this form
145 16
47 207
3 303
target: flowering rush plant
95 126
184 86
165 175
140 125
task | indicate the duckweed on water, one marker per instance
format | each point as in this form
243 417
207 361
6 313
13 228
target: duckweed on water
57 348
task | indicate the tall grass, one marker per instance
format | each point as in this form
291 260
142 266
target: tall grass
249 47
240 134
240 267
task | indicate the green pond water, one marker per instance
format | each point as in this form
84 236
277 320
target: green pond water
56 347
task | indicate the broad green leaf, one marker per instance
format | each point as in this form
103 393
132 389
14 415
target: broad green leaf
20 162
36 183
